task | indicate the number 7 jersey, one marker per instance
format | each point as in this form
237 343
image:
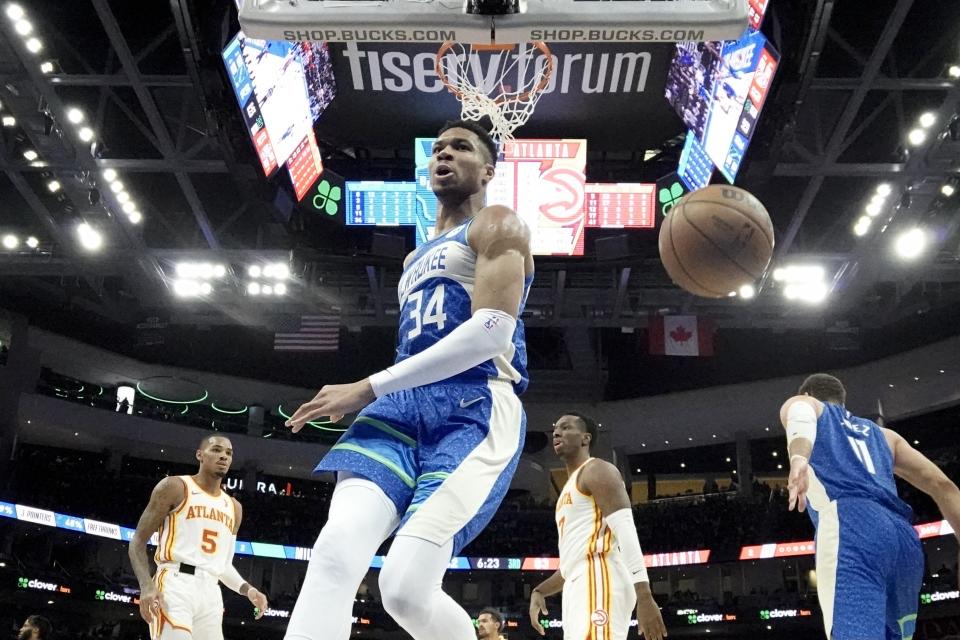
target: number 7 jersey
436 296
199 531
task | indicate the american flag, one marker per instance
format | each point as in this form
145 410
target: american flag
307 333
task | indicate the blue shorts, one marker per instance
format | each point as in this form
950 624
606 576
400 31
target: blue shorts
443 453
869 572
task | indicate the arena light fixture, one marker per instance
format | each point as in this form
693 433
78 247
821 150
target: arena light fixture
123 197
75 115
280 289
186 288
85 134
910 244
14 12
23 27
219 271
884 189
917 137
116 186
948 190
53 186
34 45
862 226
90 238
254 271
205 288
32 242
109 175
747 292
253 288
927 119
874 209
10 242
280 271
46 67
135 217
129 207
9 121
30 155
267 290
954 71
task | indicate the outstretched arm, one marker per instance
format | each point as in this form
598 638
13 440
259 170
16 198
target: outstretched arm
602 480
799 417
232 579
502 243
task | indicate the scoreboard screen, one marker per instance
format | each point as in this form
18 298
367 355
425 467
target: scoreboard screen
386 204
619 205
695 167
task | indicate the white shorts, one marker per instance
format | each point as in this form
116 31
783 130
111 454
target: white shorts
598 602
192 606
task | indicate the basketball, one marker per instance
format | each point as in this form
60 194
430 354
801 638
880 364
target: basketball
716 240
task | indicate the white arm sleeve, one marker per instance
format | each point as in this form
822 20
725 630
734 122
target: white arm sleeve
487 334
801 422
621 523
231 578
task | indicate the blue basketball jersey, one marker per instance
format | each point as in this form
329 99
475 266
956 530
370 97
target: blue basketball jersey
435 293
851 459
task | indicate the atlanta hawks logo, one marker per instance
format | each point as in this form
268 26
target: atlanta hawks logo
599 617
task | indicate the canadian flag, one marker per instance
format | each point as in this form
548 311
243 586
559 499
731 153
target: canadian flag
681 336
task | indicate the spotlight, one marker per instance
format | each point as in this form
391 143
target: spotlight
53 186
135 217
254 271
123 197
85 134
280 289
205 288
74 115
874 208
10 241
185 270
109 175
267 290
186 288
219 271
30 155
116 186
46 67
9 121
862 226
32 242
205 270
34 45
911 243
927 120
812 293
253 288
948 190
916 137
280 271
14 12
90 238
747 291
129 207
23 27
267 271
954 71
884 189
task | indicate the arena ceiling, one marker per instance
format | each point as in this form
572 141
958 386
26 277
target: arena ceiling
151 82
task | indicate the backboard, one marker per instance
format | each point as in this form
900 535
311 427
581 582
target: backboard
552 21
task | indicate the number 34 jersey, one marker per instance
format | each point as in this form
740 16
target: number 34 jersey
199 531
435 293
851 460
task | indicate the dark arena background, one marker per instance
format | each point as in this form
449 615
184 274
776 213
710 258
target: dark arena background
198 230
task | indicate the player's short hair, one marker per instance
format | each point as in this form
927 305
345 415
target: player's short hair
42 625
493 613
589 426
825 388
481 133
213 434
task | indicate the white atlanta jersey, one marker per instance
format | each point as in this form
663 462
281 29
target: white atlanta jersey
199 531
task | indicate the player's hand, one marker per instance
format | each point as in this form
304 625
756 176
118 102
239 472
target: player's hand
798 483
151 602
649 620
333 400
538 605
259 600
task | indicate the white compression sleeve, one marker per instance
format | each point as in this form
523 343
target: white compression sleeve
621 523
801 422
232 579
485 335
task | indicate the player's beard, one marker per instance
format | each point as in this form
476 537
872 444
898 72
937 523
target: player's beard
25 634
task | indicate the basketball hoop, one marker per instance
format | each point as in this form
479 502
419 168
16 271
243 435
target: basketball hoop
505 90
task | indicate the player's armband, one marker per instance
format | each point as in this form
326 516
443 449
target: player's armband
801 422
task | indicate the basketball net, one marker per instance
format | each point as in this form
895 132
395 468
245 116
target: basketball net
505 90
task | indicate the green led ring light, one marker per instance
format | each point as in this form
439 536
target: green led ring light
156 399
314 424
229 412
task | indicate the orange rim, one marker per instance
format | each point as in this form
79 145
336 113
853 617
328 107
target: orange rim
540 86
